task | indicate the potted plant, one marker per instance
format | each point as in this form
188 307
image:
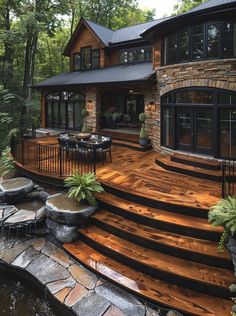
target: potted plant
84 114
144 140
83 188
224 214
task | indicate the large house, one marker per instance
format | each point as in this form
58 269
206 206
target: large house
180 71
151 233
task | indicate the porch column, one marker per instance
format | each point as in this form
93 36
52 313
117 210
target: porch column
152 110
91 106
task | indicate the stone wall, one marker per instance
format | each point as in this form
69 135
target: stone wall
91 106
220 74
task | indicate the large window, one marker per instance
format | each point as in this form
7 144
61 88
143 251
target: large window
198 42
135 55
63 110
86 59
200 121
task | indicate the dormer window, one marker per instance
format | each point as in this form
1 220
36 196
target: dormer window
86 59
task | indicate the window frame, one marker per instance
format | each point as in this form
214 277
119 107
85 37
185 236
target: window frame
74 56
165 43
66 100
132 49
216 106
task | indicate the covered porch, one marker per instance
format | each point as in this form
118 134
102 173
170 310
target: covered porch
113 96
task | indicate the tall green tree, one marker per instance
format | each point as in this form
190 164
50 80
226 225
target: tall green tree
186 5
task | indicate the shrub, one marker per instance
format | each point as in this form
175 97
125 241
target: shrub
83 187
143 133
6 162
224 214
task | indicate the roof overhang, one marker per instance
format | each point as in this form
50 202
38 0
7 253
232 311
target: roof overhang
191 17
116 75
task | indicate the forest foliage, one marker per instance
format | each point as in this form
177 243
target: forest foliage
33 35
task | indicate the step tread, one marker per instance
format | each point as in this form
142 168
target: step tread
168 162
157 214
186 269
197 160
158 236
173 296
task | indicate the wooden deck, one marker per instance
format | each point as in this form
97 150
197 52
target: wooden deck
151 234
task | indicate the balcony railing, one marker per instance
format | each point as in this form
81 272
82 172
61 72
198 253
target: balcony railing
53 160
228 178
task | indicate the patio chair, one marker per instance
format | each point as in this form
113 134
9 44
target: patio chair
106 148
84 151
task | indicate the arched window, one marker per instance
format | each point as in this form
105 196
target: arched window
200 120
63 110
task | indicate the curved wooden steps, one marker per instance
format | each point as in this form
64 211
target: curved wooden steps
198 250
172 296
131 145
157 218
192 275
196 162
160 201
203 173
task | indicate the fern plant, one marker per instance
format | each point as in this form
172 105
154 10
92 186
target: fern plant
6 162
224 214
83 187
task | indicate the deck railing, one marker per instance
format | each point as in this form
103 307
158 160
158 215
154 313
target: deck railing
53 159
228 178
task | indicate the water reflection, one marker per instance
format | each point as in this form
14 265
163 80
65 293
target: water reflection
18 299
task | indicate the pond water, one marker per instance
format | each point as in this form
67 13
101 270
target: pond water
31 205
17 299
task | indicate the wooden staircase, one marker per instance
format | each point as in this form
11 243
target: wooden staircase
168 258
125 140
194 167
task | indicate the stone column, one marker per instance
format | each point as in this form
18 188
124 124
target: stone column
91 106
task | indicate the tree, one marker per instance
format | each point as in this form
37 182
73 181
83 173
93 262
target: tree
186 5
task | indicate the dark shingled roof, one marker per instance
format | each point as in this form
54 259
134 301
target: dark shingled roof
131 32
211 3
102 32
116 74
208 6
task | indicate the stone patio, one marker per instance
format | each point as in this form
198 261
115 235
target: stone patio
69 282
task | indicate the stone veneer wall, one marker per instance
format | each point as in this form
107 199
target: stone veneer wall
91 106
220 74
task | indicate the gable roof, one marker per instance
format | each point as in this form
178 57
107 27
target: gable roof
101 32
135 73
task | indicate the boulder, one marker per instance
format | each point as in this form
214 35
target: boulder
63 233
64 210
15 188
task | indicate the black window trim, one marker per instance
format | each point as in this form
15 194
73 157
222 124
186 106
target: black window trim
74 54
132 49
190 28
216 107
61 99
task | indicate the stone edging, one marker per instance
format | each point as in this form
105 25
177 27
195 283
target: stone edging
69 283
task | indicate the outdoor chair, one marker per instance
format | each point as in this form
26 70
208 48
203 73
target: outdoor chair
106 148
84 151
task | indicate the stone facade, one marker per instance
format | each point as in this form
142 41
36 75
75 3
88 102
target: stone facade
219 74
